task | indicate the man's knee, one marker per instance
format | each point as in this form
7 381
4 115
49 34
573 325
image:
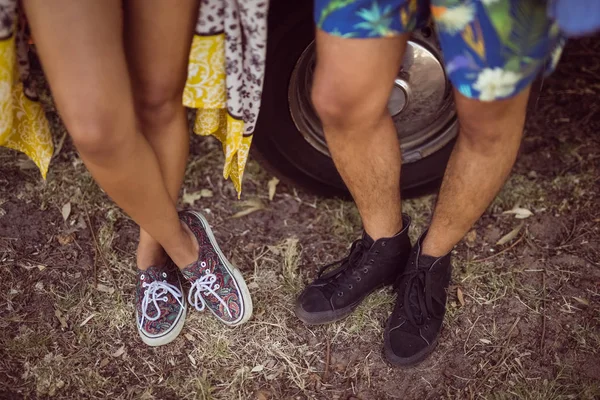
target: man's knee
488 126
346 108
481 136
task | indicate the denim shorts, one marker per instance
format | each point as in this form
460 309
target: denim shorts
492 49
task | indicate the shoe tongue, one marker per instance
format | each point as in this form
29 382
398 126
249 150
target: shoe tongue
425 261
368 240
154 272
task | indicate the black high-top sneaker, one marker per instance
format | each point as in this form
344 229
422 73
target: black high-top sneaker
369 266
413 328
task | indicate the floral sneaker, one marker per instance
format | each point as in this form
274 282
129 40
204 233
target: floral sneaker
159 305
216 284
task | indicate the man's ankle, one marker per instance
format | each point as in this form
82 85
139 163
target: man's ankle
380 232
435 248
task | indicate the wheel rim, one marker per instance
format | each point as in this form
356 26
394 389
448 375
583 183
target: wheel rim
421 102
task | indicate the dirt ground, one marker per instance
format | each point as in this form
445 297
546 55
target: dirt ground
523 319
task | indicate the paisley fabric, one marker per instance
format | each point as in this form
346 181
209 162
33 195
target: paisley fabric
169 312
231 309
224 83
226 74
492 49
23 124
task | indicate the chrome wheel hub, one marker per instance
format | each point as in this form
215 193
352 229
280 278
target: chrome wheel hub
420 104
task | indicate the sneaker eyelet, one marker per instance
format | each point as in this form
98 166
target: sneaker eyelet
383 244
217 286
365 270
142 277
350 287
340 294
203 264
358 279
164 274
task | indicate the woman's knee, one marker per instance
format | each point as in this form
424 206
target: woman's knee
98 132
159 101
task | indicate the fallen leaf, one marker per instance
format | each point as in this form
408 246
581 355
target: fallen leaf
105 289
510 235
85 321
65 239
519 213
104 362
583 301
66 211
263 395
39 286
251 206
471 236
258 368
29 267
192 359
189 337
41 267
485 341
119 352
273 188
206 193
61 319
190 198
25 164
461 298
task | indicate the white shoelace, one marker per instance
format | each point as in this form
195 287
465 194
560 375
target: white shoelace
205 284
156 291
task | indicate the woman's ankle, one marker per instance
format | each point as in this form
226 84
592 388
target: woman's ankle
187 251
148 256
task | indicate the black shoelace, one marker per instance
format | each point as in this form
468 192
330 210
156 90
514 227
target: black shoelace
418 297
347 271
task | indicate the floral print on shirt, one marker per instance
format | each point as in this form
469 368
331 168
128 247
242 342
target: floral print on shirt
492 49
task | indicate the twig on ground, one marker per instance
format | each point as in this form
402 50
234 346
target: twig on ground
503 251
503 356
327 361
59 145
469 335
543 337
98 252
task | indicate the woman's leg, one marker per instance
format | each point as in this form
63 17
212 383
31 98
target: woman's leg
158 36
81 47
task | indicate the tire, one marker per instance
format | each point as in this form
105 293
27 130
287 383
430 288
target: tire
279 146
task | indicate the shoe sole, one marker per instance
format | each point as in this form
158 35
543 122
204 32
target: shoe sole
237 275
328 317
167 338
411 361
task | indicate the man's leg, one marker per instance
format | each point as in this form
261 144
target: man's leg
486 149
158 36
352 85
353 81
